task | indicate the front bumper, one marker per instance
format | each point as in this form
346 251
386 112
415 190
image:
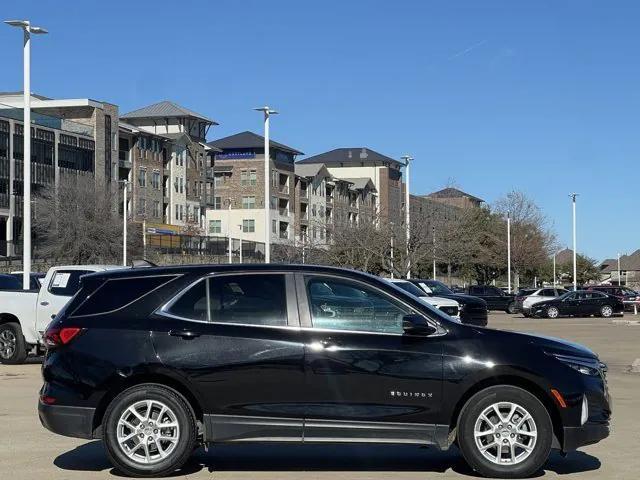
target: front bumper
68 421
589 433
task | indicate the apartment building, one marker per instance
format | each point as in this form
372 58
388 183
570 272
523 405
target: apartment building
238 203
384 172
164 156
68 137
456 198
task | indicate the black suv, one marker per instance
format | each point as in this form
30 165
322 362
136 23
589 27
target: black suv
157 361
496 298
473 310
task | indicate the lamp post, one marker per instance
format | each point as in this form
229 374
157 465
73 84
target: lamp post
267 170
392 235
407 209
619 273
125 183
575 265
229 246
240 226
27 29
509 251
433 232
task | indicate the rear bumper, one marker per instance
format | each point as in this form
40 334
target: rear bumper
68 421
576 437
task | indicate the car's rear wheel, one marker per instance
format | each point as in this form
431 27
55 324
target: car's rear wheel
606 311
505 432
553 312
149 430
511 308
13 349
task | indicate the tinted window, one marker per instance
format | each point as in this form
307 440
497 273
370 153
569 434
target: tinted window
339 304
438 288
66 282
476 290
493 291
119 292
9 282
246 299
411 288
548 292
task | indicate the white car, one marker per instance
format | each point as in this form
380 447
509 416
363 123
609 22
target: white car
446 305
540 295
25 314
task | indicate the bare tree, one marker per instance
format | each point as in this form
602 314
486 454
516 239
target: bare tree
78 222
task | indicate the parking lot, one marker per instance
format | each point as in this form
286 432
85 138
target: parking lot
28 451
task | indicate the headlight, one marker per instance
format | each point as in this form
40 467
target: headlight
585 366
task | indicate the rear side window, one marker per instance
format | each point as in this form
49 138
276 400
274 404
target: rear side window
476 290
66 283
8 282
117 293
258 299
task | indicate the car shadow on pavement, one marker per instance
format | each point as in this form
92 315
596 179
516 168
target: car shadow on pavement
326 457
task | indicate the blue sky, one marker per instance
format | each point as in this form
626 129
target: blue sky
539 96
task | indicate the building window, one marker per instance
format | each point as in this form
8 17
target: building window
156 208
313 210
217 203
215 226
249 202
177 213
274 178
142 206
274 226
218 180
142 177
253 177
155 180
244 177
248 226
181 185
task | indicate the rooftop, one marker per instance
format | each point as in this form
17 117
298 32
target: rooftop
352 157
249 140
451 192
165 109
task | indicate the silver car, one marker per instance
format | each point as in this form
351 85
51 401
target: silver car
540 295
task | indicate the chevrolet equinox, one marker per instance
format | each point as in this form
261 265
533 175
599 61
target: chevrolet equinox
157 361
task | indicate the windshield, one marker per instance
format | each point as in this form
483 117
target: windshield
411 288
438 288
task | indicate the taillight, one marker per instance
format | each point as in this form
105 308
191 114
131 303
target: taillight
56 336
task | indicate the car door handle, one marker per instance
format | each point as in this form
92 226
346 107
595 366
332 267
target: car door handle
186 334
44 304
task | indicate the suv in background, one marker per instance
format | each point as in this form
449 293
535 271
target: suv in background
622 293
495 297
473 310
155 361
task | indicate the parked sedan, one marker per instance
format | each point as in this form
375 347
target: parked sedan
473 310
521 295
540 295
579 304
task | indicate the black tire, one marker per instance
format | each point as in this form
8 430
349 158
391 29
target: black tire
467 442
186 422
606 311
511 308
12 345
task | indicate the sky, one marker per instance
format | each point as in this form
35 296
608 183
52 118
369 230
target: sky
492 96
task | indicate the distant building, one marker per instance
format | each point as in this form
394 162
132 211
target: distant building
384 172
239 189
68 137
456 198
629 274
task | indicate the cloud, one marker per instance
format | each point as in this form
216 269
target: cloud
467 50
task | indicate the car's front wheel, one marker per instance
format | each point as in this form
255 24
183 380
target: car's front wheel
149 430
505 432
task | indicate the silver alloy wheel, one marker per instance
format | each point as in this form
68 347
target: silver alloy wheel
8 343
553 312
606 311
505 433
148 431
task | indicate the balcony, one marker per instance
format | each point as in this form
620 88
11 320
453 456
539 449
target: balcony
283 212
283 188
304 194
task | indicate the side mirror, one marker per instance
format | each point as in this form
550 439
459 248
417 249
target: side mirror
417 325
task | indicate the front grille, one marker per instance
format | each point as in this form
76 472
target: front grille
451 311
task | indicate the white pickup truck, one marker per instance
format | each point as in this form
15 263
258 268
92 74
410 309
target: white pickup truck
25 314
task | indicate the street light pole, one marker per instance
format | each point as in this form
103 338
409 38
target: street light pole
392 266
240 242
229 246
267 175
27 29
575 265
433 231
509 251
554 268
619 274
124 225
407 209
